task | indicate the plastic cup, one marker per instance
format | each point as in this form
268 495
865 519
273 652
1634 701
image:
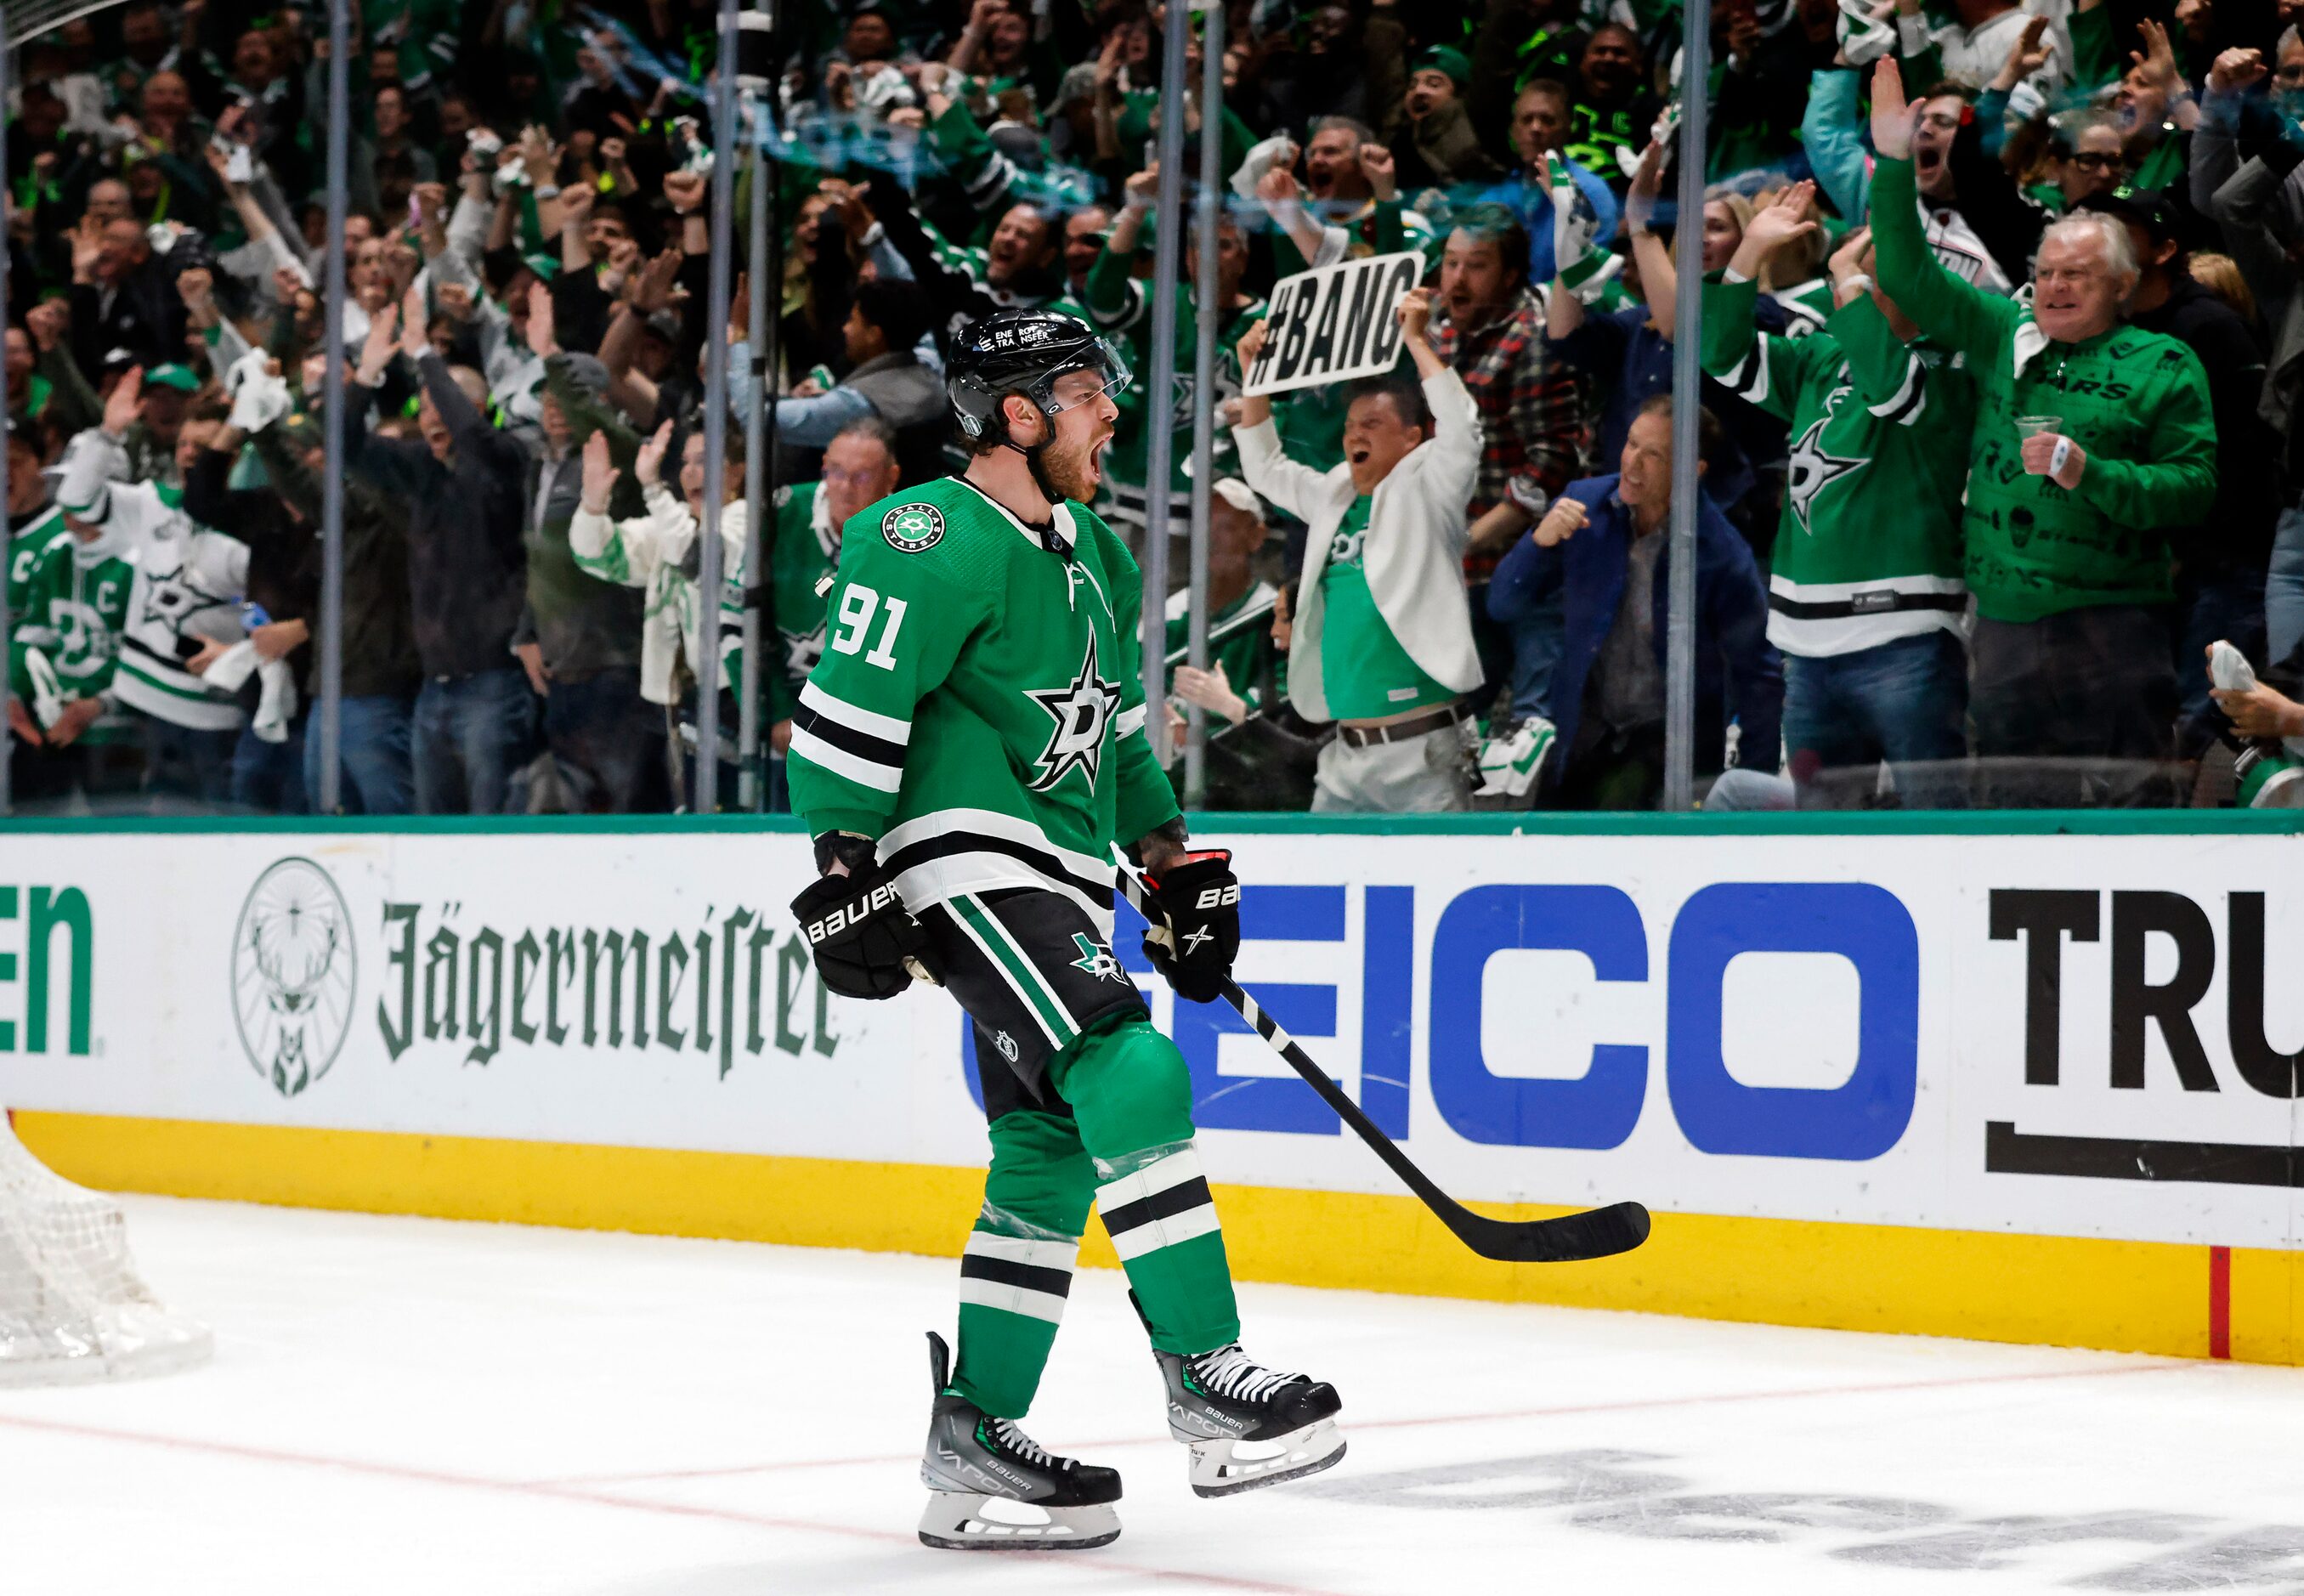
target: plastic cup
2033 426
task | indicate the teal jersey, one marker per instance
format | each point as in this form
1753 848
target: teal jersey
1364 671
979 706
1868 545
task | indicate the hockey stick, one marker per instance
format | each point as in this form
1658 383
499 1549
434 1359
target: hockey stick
1568 1238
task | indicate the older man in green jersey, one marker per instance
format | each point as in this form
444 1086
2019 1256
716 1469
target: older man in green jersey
2090 435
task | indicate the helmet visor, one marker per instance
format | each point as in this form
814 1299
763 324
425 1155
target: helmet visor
1105 373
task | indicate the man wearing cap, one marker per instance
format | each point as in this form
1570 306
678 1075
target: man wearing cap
150 440
1436 146
2222 554
1383 639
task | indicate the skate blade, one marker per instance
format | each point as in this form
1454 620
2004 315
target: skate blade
1219 1469
960 1521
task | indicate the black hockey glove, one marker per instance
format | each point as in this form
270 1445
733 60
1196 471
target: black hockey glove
1197 897
864 942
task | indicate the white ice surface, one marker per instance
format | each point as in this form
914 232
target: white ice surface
404 1405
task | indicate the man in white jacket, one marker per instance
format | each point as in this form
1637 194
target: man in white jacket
1383 640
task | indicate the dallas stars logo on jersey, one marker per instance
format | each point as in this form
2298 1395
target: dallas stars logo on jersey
802 650
1812 468
1082 710
913 528
1096 960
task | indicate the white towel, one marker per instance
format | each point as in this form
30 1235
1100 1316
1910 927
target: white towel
276 704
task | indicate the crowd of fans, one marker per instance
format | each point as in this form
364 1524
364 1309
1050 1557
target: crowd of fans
2001 429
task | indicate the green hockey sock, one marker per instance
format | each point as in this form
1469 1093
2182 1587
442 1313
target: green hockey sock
1017 1270
1131 1093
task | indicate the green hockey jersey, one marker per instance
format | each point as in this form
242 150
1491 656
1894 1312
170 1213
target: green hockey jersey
979 707
25 546
2137 402
807 550
1245 644
1868 548
70 607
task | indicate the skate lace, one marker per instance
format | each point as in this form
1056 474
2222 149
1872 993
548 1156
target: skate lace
1228 1372
1023 1446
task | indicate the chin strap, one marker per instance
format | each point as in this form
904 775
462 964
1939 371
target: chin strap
1032 463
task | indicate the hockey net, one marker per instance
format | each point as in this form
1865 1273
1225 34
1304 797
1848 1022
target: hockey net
72 1304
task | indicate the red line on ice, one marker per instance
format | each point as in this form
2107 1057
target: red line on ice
568 1493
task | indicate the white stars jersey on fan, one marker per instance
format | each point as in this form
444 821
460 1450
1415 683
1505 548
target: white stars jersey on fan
980 705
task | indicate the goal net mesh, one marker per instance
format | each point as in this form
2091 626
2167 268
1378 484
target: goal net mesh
72 1304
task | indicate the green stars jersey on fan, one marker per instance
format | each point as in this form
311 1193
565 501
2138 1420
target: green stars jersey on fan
1868 548
980 705
805 552
71 612
1239 641
26 544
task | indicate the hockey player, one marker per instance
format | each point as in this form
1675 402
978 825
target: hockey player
966 754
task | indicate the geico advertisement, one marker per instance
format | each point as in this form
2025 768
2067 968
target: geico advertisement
2075 1035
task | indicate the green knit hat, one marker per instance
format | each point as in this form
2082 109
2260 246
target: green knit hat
1444 58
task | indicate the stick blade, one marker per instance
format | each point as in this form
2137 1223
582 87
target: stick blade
1568 1238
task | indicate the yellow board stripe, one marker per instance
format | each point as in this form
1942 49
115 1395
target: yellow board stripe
2122 1296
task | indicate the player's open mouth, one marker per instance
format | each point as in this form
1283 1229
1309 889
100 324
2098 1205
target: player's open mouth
1357 456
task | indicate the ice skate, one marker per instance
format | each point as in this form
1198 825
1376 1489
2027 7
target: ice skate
990 1485
1247 1425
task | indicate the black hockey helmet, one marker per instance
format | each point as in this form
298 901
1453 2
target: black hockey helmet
1023 352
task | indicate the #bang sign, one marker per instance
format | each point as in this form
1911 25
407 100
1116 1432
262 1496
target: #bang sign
1334 322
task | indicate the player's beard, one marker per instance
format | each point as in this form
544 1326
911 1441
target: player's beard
1075 472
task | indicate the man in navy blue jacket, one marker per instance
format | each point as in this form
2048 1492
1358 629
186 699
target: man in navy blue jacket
1603 549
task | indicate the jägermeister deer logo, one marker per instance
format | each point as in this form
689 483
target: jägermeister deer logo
294 971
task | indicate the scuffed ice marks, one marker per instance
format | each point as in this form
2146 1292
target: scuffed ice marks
1617 1492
